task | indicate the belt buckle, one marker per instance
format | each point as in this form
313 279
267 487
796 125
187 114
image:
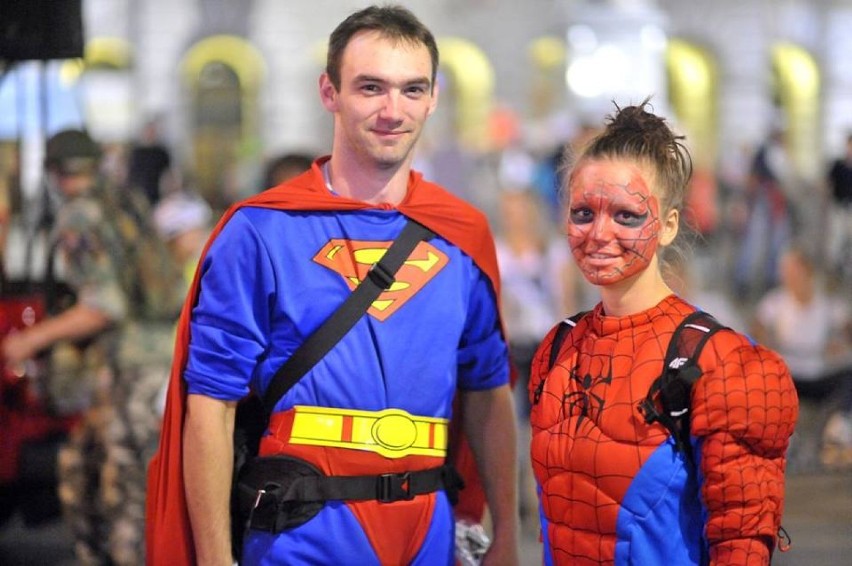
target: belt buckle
394 487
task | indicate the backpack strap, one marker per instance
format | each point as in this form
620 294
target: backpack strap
565 326
561 333
670 396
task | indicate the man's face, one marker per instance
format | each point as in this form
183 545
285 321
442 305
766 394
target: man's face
74 177
386 94
613 220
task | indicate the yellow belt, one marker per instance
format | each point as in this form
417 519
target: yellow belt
393 433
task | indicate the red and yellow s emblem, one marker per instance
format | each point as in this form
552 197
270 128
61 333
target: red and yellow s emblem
352 259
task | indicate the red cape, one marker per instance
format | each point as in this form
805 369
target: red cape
168 532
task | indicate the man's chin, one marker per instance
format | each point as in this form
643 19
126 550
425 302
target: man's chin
387 161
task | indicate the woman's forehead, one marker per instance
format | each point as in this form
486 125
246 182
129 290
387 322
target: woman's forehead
593 175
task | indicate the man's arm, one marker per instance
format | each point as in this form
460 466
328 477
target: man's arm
207 466
77 322
489 423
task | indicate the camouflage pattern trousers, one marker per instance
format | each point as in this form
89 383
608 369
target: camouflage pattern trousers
102 468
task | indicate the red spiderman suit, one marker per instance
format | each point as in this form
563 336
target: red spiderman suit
614 490
366 408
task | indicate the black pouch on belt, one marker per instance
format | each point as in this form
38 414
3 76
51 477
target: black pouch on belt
275 493
268 497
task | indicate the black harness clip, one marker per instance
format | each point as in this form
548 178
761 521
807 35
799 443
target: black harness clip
394 487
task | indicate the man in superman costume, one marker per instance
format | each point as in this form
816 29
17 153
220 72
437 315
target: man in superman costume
614 487
380 402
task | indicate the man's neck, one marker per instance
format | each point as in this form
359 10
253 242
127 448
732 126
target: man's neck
369 184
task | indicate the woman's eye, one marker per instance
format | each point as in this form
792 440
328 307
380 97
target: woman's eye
580 215
630 219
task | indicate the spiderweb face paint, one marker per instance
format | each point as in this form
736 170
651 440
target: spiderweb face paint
613 221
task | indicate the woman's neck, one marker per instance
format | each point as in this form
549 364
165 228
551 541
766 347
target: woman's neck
635 294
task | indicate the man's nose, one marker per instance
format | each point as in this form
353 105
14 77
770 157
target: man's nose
390 109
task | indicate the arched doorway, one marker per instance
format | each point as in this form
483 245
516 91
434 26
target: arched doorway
107 87
796 85
693 95
222 76
692 80
547 88
469 97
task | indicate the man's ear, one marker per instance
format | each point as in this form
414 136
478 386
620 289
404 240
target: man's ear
670 227
434 103
328 94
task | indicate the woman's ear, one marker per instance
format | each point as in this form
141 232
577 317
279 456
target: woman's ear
670 227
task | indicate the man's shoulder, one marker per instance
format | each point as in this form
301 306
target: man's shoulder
452 199
453 208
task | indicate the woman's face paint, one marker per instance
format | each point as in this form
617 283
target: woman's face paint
613 221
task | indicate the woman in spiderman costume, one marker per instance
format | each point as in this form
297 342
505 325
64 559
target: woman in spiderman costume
613 488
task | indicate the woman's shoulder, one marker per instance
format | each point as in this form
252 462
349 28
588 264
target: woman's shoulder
735 361
746 389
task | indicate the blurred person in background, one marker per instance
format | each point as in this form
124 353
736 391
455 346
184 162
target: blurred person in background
148 160
548 175
184 221
108 353
539 288
812 330
285 167
769 216
691 283
840 213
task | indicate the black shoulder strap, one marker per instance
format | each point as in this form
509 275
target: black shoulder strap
670 396
561 332
379 278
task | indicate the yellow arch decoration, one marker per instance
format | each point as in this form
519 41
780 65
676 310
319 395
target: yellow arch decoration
233 51
547 55
796 85
693 80
110 52
547 52
70 71
474 80
100 52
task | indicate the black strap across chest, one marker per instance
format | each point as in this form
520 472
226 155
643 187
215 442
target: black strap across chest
379 278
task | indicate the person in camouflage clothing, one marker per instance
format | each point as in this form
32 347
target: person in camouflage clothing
106 343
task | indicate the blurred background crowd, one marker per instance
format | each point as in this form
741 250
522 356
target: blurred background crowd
194 104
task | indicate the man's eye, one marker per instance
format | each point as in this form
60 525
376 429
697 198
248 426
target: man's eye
416 90
370 88
580 215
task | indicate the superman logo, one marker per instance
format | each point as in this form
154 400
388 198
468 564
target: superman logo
352 259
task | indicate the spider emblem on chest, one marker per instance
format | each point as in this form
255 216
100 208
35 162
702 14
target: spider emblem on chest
580 400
